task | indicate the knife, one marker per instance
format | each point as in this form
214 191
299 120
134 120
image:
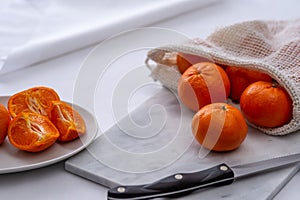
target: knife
180 184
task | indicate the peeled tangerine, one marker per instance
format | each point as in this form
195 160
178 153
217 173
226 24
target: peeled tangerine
67 120
219 127
36 99
4 121
32 132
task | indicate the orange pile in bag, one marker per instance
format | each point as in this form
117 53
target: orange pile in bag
263 102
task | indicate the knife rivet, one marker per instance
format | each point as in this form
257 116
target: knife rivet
121 189
223 168
178 176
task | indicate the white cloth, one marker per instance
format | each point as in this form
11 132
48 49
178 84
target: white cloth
32 30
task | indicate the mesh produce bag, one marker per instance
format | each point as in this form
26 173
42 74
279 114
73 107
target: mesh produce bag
272 47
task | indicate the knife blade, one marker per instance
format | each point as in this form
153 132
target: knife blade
180 184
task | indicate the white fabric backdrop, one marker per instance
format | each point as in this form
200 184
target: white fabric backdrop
34 30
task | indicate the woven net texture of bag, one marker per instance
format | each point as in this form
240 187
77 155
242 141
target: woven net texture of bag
272 47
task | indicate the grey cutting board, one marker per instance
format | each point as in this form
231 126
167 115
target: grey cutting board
155 141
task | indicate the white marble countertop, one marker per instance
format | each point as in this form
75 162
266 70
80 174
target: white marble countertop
53 182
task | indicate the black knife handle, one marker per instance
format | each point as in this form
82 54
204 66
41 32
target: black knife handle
175 185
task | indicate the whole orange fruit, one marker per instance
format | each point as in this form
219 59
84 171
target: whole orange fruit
184 61
32 132
4 121
36 99
68 121
266 104
202 84
240 78
219 127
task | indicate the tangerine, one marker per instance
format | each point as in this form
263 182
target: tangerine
240 78
32 132
36 99
68 121
4 122
185 60
202 84
219 127
266 104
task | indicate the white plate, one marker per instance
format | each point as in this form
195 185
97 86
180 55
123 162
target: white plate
15 160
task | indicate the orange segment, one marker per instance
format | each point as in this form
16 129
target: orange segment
32 132
36 99
68 121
